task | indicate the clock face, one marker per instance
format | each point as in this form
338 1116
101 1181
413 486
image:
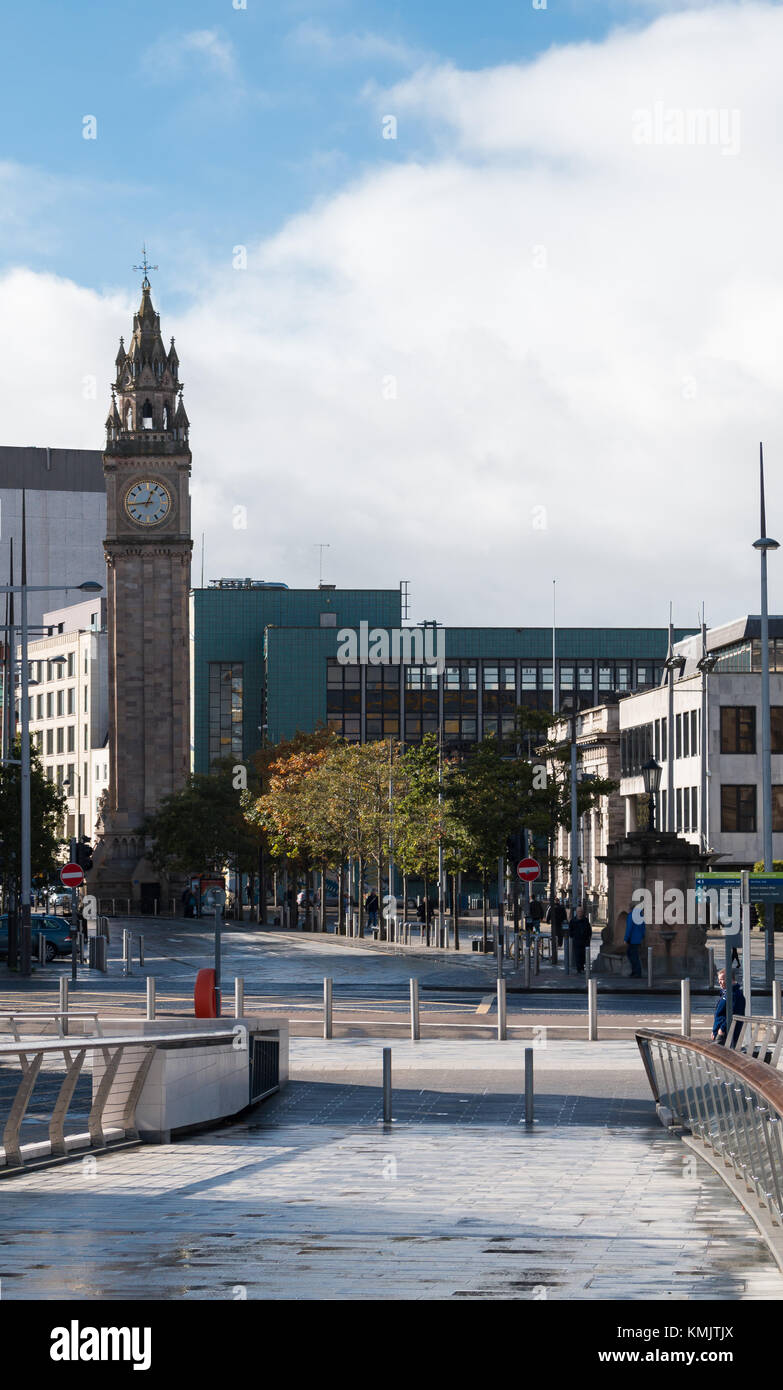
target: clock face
147 503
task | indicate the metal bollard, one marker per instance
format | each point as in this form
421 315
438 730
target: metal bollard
776 1010
710 966
327 1007
685 1008
114 907
41 948
527 963
566 953
415 1025
592 1010
649 966
501 1010
516 950
64 986
126 952
239 996
536 956
387 1086
529 1086
150 996
154 907
141 951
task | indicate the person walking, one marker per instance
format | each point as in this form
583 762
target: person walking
581 934
371 908
719 1023
556 916
634 936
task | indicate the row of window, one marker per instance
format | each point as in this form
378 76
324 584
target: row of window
59 740
738 728
737 735
226 712
738 809
746 656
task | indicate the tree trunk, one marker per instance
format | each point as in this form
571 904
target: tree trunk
484 911
361 896
551 845
427 907
340 928
455 909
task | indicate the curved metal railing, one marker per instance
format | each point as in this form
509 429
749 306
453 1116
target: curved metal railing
732 1104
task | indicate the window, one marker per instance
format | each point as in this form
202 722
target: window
529 677
695 722
566 677
738 809
60 704
328 619
71 664
490 677
777 808
585 677
71 694
546 677
737 729
694 808
71 738
86 736
40 707
678 735
50 706
777 728
226 687
60 736
605 678
686 735
642 677
50 741
678 825
623 677
85 699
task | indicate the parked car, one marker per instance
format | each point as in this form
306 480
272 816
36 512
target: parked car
56 932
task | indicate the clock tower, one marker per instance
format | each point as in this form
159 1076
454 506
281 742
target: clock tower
148 546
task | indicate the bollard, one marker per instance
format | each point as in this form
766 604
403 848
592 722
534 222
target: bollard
529 1086
710 966
649 966
41 948
154 907
126 952
415 1026
141 951
327 1007
99 943
387 1086
587 962
64 984
501 1011
566 953
516 950
685 1008
114 907
239 996
527 962
776 1012
536 956
150 996
592 1010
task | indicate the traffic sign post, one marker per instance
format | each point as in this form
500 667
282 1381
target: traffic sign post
528 870
72 875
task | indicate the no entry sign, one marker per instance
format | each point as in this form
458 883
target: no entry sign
72 875
528 870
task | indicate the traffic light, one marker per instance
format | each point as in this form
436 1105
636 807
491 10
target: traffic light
84 854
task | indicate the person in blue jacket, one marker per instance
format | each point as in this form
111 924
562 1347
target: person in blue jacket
737 1010
634 936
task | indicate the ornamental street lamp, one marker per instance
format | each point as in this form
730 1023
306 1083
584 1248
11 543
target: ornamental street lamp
651 776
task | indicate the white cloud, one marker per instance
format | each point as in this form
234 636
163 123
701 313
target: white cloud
172 54
573 322
364 46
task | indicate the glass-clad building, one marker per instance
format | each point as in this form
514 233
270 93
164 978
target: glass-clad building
274 659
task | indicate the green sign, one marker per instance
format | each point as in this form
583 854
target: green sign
764 888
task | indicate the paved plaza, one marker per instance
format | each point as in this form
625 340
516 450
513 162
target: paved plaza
311 1197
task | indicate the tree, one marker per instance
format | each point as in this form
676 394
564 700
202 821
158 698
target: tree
202 828
47 813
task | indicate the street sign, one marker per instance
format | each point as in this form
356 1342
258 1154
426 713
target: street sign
764 888
528 870
72 875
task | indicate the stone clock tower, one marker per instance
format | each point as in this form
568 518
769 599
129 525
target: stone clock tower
146 466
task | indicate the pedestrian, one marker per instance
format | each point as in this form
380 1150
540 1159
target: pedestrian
634 936
556 915
737 1010
581 934
536 911
371 908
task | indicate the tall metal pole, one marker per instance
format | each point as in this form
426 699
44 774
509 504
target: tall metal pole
574 816
554 648
441 933
763 544
704 737
25 934
670 732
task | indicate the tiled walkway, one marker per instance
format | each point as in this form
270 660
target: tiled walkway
313 1198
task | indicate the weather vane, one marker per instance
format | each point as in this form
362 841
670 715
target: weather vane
145 266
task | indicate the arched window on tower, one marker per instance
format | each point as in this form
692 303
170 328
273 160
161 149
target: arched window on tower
146 416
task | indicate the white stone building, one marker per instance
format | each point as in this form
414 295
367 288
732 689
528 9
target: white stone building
69 707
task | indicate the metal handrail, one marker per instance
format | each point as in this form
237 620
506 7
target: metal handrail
133 1051
732 1104
48 1017
760 1036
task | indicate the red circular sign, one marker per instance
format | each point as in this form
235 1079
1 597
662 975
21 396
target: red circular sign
528 870
72 875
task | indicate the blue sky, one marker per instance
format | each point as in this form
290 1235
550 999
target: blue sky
215 124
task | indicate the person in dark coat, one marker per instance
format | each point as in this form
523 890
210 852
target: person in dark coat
581 934
536 911
556 916
737 1010
371 908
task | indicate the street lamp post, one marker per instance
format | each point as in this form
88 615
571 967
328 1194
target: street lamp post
763 545
25 935
651 775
